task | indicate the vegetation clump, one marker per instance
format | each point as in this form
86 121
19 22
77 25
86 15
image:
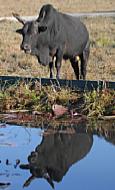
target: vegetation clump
34 97
98 103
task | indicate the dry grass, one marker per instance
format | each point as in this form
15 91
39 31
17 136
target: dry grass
102 57
27 7
101 62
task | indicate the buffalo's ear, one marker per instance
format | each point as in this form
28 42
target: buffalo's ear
42 28
19 31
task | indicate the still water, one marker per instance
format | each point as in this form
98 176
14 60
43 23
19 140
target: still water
31 160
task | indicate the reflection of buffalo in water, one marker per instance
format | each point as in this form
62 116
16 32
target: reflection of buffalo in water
56 153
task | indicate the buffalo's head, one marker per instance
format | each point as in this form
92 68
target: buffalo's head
29 33
36 170
34 42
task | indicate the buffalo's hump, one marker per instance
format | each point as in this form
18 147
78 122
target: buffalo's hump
64 30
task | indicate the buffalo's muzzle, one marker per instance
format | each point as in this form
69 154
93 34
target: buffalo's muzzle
26 48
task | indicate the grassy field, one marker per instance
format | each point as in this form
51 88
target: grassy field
27 7
101 63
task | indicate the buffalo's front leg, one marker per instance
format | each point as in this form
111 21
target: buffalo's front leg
59 57
58 67
83 66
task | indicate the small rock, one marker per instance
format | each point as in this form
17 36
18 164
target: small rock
59 110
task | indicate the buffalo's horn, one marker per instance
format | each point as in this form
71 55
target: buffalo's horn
28 181
17 16
49 180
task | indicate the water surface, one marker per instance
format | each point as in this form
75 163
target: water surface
75 160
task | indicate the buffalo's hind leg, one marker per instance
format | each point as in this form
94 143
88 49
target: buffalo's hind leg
51 69
84 59
83 66
75 66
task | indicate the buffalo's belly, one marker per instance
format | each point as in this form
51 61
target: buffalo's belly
72 52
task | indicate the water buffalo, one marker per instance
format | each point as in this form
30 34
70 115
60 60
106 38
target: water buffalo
54 34
55 155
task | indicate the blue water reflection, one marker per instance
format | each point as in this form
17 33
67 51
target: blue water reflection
96 170
16 143
80 160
